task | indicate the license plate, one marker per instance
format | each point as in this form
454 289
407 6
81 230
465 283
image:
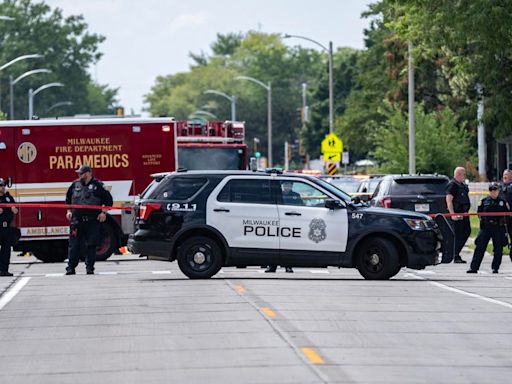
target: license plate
422 207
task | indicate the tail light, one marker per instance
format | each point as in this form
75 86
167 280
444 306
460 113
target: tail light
386 202
146 209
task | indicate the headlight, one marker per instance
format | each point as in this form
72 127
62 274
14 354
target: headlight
418 224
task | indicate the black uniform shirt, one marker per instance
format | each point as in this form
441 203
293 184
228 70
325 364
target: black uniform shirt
93 193
6 216
488 204
460 193
506 192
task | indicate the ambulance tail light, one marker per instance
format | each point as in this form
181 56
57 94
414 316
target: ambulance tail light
386 202
146 209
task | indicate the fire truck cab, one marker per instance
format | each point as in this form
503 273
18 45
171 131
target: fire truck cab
213 145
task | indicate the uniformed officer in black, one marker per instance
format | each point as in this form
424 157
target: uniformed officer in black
289 197
85 224
457 201
506 194
491 227
6 229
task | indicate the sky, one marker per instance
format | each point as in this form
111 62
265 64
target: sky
145 39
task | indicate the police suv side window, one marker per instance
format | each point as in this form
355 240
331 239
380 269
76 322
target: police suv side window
179 188
299 193
255 191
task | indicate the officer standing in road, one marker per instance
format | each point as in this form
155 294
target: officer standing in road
506 194
457 201
491 227
85 224
6 229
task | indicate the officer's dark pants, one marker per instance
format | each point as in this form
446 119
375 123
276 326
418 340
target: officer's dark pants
5 248
83 235
462 229
499 240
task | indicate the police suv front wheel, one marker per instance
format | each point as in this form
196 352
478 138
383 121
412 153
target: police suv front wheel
199 257
377 259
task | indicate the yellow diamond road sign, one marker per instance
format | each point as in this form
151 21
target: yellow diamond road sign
332 157
332 144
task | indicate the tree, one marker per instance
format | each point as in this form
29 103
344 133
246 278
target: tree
68 48
442 143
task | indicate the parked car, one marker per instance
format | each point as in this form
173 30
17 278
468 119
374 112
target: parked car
419 193
368 186
347 184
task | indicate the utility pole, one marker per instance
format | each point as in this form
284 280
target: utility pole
482 149
412 127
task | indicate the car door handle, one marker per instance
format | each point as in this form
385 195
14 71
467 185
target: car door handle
293 214
221 210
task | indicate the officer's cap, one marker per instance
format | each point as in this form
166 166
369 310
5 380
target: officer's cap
494 186
84 168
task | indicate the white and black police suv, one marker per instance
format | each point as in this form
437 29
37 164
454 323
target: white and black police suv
207 220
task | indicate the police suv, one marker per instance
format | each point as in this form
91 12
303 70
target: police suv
206 220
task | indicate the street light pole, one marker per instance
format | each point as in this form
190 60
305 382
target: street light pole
268 87
22 57
13 82
32 93
412 127
231 98
331 76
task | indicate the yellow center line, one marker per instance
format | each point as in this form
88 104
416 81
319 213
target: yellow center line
269 312
240 289
312 355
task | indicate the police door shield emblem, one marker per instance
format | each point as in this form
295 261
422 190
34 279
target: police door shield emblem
317 231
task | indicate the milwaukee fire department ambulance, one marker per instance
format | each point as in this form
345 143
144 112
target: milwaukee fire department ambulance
38 159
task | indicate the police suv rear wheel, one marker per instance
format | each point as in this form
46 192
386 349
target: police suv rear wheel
377 259
199 257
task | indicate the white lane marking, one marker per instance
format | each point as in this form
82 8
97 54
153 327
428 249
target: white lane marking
54 274
9 295
508 277
161 272
465 293
107 273
319 271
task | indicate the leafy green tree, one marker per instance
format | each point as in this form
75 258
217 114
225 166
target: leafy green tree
68 49
442 143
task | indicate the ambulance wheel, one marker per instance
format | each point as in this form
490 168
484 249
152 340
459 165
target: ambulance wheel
108 243
377 259
199 257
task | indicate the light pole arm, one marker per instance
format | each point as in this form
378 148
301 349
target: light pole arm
287 36
29 73
34 56
214 92
253 80
46 86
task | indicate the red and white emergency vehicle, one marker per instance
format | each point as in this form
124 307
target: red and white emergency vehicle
38 159
211 145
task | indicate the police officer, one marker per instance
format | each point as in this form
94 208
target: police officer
6 230
85 223
506 194
457 201
491 227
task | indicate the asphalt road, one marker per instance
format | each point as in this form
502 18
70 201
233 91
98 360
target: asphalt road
139 321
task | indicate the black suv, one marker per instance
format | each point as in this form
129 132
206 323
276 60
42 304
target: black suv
206 220
419 193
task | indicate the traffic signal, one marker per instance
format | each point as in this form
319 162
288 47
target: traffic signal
257 155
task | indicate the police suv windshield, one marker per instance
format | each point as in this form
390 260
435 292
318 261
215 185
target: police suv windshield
335 191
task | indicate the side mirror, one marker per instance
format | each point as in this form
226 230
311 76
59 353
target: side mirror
333 204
